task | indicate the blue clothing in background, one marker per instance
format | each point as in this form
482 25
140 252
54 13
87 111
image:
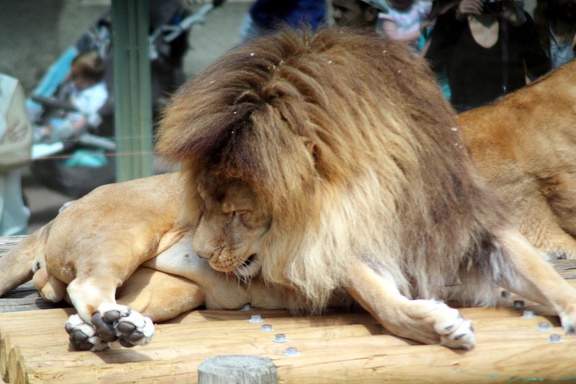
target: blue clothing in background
267 13
264 16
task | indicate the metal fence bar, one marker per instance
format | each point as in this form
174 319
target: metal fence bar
133 114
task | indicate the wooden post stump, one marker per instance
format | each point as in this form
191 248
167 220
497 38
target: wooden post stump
239 369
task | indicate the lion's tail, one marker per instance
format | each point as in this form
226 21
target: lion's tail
16 266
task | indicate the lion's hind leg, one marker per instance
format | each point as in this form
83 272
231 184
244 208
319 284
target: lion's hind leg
426 321
550 230
530 276
100 319
112 308
83 336
87 295
147 296
113 322
562 202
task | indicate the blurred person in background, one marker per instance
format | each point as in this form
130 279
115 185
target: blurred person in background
405 20
85 92
15 131
74 169
266 16
556 24
487 49
356 13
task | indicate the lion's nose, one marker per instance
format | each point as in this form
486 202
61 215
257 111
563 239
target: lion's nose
202 249
203 254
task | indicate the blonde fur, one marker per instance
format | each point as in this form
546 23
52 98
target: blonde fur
347 142
524 146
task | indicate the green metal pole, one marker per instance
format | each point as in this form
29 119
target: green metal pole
132 89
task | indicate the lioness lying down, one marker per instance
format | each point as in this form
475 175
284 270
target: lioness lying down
312 168
524 145
120 257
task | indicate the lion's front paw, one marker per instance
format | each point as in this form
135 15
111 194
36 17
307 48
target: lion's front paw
118 322
455 331
83 336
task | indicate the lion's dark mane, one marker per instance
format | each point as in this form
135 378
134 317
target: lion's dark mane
347 140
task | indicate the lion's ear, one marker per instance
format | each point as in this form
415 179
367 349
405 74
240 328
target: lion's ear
312 148
326 165
318 161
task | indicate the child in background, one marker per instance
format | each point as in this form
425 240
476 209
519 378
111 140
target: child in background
402 21
85 90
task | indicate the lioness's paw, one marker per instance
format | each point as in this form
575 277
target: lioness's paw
83 336
115 322
454 330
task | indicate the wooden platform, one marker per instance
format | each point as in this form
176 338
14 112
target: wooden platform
342 347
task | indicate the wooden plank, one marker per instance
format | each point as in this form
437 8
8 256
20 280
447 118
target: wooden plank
26 298
237 369
338 347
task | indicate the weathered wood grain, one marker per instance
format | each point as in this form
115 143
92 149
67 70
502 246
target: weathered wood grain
339 347
334 348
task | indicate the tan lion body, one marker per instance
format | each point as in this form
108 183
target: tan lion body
312 167
524 145
121 246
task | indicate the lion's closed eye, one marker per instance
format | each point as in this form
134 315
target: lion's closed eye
231 211
246 218
234 215
243 217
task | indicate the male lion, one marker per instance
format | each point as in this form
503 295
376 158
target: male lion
331 162
524 145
